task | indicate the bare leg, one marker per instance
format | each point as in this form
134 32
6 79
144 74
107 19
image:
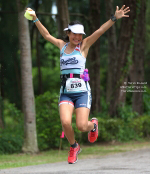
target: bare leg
66 111
82 115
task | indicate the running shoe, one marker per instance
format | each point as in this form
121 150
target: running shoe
93 134
73 154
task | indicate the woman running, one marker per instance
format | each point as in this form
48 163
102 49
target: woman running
75 90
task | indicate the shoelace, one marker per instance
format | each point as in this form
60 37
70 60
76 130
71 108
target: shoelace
72 150
92 134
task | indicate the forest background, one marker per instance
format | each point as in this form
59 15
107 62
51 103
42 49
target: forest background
118 64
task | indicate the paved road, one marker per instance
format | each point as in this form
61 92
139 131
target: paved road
135 162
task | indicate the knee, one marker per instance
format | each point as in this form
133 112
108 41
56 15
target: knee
65 123
82 127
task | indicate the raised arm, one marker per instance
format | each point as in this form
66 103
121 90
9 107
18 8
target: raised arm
93 37
44 32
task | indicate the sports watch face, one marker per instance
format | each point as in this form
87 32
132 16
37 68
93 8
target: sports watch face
113 18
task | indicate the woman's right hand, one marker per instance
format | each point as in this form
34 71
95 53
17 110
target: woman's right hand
33 14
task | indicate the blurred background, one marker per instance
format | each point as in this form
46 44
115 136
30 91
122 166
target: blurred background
118 63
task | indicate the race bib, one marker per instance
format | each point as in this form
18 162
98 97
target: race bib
75 85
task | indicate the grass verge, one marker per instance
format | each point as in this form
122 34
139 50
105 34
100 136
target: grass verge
53 156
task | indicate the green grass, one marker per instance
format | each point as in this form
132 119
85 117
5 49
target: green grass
52 156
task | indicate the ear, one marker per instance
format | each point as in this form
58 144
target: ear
68 33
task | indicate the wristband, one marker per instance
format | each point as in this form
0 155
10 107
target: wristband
36 20
113 18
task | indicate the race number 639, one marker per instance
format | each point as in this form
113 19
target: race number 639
76 85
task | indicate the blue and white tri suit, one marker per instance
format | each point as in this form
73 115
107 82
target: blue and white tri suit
76 92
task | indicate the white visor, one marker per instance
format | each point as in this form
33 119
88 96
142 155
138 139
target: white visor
77 28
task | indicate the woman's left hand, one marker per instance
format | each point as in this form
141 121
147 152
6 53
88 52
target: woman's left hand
121 13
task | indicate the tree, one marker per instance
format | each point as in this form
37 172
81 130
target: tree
63 16
1 92
123 59
9 59
1 113
94 56
112 47
137 70
40 86
30 139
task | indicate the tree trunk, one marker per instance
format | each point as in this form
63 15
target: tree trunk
1 113
94 57
112 61
38 62
126 33
17 72
138 58
1 89
63 16
40 87
30 139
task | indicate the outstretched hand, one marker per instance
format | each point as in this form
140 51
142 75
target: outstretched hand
32 14
121 13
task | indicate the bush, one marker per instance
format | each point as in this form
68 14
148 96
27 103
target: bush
11 138
146 100
126 113
48 121
112 128
109 129
10 143
129 127
141 125
119 130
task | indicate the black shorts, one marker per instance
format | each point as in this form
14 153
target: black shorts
77 100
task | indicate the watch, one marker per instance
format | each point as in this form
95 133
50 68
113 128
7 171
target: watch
113 18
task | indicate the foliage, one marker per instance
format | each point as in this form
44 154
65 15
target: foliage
146 101
48 122
141 125
11 138
147 44
126 113
23 3
50 79
9 62
117 129
1 112
108 129
49 54
10 143
128 126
